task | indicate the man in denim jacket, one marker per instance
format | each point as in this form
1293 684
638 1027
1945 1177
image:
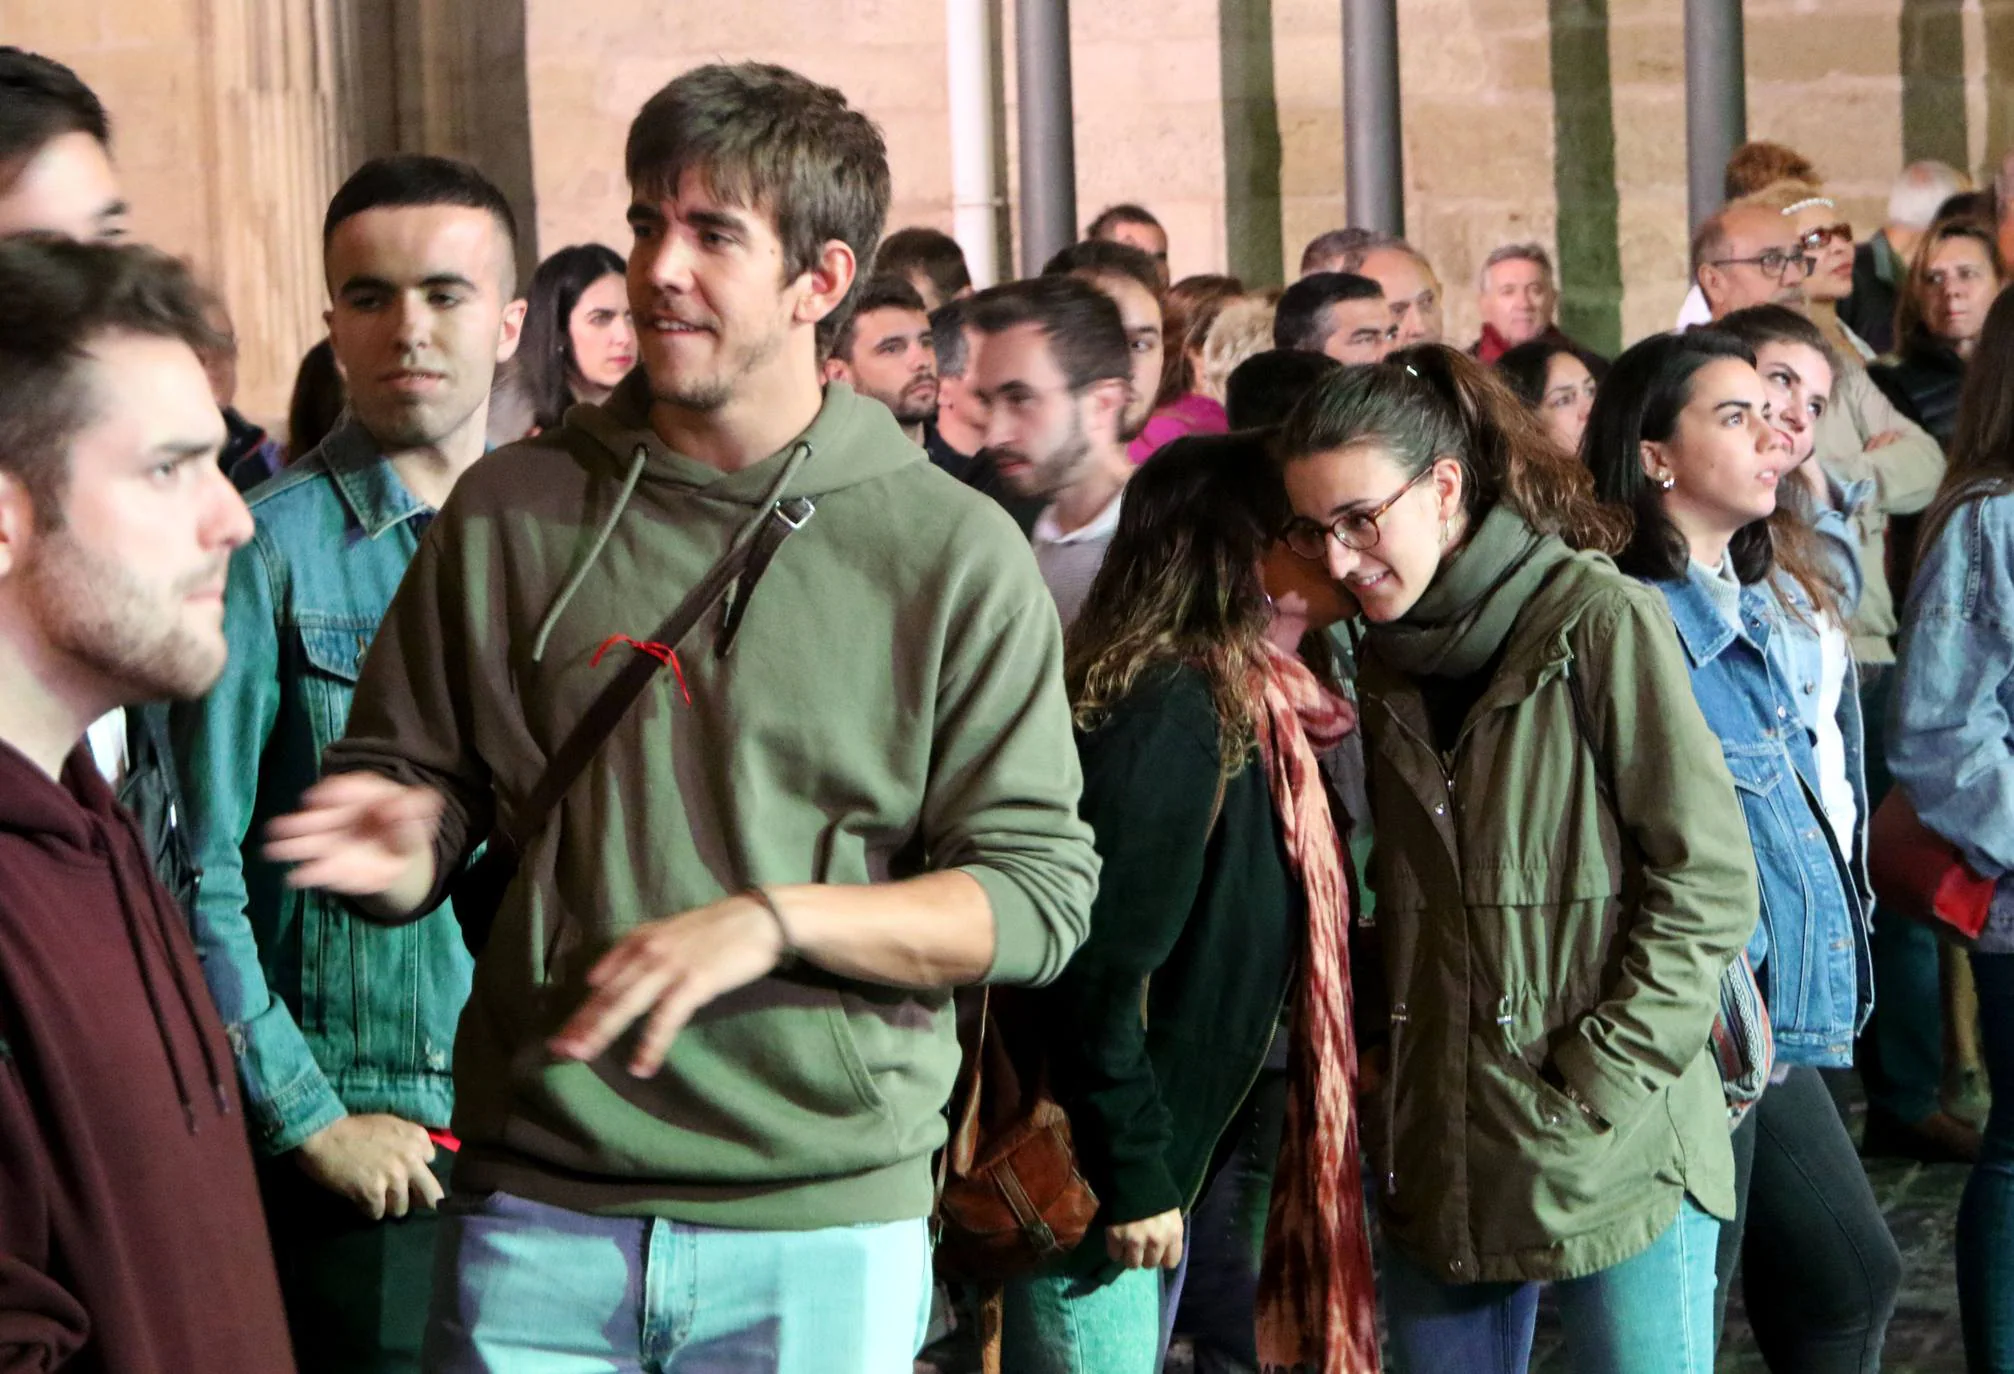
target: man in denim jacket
343 1031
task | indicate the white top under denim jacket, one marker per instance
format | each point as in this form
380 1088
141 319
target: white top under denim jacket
1951 737
1814 656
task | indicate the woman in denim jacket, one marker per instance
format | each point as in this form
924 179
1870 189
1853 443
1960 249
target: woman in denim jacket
1682 433
1952 752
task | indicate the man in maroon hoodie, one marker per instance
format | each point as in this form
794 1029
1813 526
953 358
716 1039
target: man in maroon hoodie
130 1234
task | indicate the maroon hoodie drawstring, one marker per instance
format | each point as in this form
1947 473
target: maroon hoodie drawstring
128 908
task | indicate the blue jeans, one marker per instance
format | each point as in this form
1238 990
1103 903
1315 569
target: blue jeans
1650 1314
1058 1325
524 1288
1986 1213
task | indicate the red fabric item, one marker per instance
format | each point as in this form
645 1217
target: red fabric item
132 1240
663 653
1317 1300
446 1140
1921 875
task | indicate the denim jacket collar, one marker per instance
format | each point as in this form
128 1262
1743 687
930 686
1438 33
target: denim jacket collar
368 483
1702 629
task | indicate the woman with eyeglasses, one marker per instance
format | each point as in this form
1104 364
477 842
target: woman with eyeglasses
1556 381
1953 281
1682 437
1562 879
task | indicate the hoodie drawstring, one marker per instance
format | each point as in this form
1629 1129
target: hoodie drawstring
601 538
128 908
800 451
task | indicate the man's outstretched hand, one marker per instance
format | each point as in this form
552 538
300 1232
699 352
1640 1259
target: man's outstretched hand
669 969
363 836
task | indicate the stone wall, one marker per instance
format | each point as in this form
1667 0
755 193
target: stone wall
1560 120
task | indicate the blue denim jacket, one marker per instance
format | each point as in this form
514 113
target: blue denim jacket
1951 736
325 1012
1810 949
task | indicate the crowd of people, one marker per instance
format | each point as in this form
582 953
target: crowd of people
499 876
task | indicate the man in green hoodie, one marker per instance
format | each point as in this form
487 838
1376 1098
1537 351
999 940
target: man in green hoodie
702 1070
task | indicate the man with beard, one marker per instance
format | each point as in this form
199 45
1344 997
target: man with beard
704 1067
56 177
130 1236
1053 373
884 350
1128 276
342 1029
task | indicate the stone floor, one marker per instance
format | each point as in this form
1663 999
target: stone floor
1921 1204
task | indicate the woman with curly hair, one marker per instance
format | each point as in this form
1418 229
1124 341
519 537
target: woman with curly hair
1203 696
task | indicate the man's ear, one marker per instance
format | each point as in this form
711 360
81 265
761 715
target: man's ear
1712 283
511 330
17 524
1109 397
825 285
837 370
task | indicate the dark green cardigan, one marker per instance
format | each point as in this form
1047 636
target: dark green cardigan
1214 929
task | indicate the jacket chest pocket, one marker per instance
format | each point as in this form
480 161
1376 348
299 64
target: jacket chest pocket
332 656
1768 790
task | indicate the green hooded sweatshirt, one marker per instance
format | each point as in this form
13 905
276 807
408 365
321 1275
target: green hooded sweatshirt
892 704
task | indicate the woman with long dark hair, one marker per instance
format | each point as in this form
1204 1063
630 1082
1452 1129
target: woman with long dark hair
1681 436
578 339
1952 752
1202 693
1555 378
1953 279
1562 881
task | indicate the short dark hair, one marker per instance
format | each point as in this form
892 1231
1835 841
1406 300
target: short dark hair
1125 212
41 99
768 139
947 336
58 297
1759 325
876 293
1106 258
1302 319
1347 249
931 252
1082 324
544 358
421 179
1263 388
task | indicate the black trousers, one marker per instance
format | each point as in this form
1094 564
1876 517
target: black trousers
356 1290
1819 1270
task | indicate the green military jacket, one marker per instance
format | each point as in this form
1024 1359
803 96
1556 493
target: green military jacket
1537 935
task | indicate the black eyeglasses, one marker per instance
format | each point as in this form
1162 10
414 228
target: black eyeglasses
1357 530
1774 264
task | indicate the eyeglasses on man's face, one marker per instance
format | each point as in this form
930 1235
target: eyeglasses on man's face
1774 263
1357 529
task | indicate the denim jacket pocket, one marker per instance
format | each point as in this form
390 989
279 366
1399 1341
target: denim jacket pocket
332 656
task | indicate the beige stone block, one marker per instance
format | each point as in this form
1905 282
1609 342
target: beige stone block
1472 148
1141 21
1650 137
1648 50
1850 127
62 29
1807 47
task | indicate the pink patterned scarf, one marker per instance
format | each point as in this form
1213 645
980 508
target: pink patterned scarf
1317 1305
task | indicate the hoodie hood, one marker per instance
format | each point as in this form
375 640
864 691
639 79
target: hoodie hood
77 822
853 439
